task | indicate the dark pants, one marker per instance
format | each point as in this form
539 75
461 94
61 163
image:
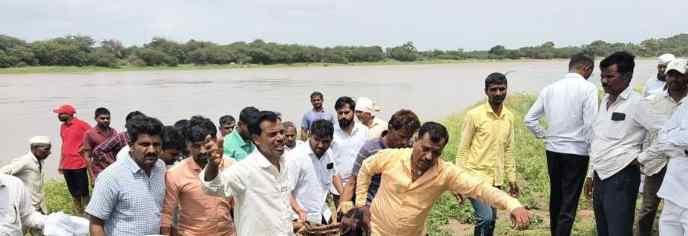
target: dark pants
614 202
485 218
77 182
566 177
648 210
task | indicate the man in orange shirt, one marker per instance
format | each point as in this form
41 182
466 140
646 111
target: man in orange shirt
199 213
412 179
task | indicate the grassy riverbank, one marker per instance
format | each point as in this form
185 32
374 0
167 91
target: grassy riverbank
186 67
447 217
450 218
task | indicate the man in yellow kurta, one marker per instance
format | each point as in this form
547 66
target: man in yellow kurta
413 178
485 148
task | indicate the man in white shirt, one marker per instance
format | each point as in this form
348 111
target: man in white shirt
349 137
655 85
621 124
29 169
665 103
671 145
15 207
290 139
259 184
569 107
365 112
312 174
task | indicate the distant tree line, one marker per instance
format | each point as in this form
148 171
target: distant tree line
76 50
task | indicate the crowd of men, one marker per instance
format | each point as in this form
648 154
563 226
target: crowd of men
258 176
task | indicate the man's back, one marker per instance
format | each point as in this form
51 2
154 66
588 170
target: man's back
569 107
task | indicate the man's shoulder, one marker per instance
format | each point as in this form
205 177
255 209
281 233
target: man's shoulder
10 180
393 152
477 110
372 145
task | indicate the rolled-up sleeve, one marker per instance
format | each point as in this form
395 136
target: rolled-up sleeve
371 166
227 183
462 182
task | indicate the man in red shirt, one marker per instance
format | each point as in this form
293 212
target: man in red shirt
72 164
95 136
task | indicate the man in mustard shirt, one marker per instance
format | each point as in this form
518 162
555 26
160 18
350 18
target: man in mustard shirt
413 178
485 148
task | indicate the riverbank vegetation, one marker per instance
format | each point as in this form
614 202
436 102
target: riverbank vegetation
84 51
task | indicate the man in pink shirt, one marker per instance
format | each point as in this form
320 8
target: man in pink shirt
199 213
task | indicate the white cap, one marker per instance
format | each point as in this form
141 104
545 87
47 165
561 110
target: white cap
40 140
665 59
679 65
365 104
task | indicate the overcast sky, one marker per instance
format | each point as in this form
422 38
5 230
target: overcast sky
430 24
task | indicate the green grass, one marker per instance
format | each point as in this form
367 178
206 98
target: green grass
57 196
532 178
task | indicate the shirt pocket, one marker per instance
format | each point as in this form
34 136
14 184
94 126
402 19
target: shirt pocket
12 214
615 129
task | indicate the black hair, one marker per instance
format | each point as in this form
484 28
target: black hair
254 127
322 129
404 119
248 115
132 115
199 128
624 61
181 124
172 138
101 111
341 101
438 133
226 119
580 60
143 125
316 94
495 78
288 124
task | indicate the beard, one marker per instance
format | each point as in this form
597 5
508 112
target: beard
498 99
344 123
661 76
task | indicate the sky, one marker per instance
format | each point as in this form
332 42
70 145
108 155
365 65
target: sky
430 24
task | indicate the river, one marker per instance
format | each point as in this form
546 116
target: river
433 91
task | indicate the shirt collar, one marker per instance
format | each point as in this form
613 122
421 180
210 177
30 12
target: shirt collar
235 135
131 165
626 93
33 157
263 162
357 128
192 164
573 76
488 109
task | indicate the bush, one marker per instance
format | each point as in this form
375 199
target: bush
154 57
103 57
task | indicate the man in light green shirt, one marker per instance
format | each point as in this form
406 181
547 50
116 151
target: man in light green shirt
238 144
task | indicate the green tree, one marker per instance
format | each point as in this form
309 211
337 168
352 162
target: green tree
405 52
